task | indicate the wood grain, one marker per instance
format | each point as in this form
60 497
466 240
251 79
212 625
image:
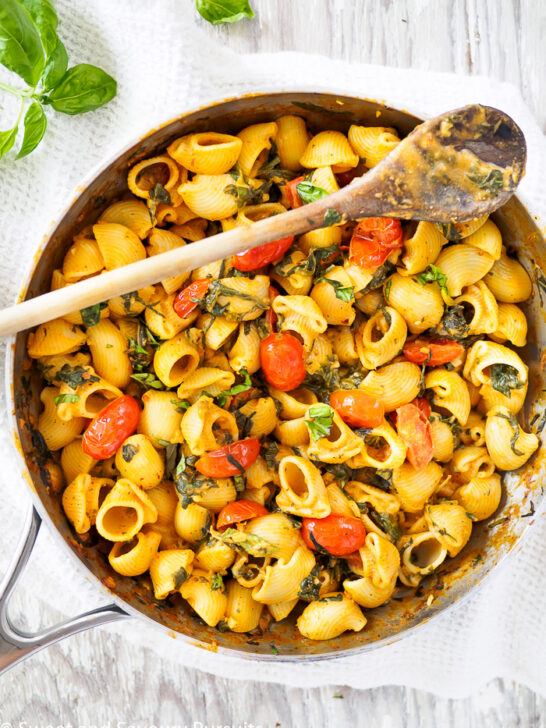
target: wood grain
96 678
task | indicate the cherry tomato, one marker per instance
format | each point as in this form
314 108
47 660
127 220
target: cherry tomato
293 199
107 431
262 255
184 303
240 510
345 178
374 238
271 316
283 361
432 352
422 405
338 535
223 463
414 428
357 408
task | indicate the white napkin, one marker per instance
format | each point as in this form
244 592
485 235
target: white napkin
164 66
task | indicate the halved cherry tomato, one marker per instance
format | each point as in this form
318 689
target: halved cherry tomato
107 431
336 534
237 511
432 352
422 405
184 302
414 428
223 463
262 255
271 316
374 238
357 408
292 196
283 361
294 200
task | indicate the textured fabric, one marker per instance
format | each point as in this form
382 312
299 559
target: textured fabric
165 66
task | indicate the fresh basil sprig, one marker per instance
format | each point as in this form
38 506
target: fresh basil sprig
224 11
30 48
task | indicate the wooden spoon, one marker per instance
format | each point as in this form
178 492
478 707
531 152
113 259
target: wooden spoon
461 165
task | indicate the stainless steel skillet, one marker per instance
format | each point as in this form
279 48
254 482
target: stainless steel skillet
491 540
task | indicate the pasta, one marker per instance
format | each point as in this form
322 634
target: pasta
314 426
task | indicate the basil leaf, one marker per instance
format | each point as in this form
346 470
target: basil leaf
7 139
66 398
320 420
56 66
309 192
82 88
344 293
35 126
224 11
45 18
21 49
236 389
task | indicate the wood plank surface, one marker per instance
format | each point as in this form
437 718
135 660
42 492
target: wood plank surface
96 679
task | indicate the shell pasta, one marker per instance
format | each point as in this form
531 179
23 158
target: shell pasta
299 430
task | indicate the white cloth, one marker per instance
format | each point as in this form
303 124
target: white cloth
165 66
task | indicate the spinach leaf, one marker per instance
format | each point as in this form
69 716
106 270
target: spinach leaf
148 380
379 277
91 314
60 398
321 420
179 577
310 585
504 378
128 452
21 49
75 376
453 324
331 217
269 452
224 11
56 66
491 182
309 192
512 421
82 88
236 389
254 545
433 274
216 582
35 126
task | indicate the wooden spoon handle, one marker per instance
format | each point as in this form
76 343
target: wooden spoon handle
159 267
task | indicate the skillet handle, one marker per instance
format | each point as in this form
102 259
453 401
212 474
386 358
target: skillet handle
17 645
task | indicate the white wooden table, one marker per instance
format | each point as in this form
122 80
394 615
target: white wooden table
95 679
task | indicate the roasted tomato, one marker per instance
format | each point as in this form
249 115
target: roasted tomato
374 238
230 460
186 300
108 430
293 199
271 316
357 408
432 352
414 428
237 511
338 535
283 361
262 255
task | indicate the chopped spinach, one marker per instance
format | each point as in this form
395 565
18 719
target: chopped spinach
504 378
91 314
75 376
128 452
